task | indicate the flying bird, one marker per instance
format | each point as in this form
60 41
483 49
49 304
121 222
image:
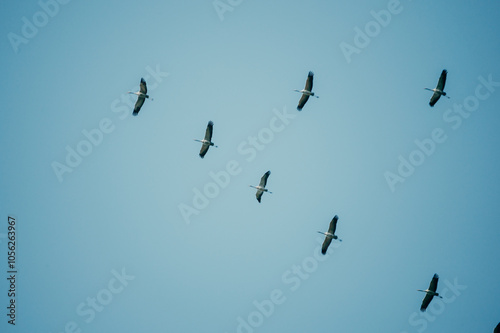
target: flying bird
207 141
439 90
262 186
141 97
306 92
330 234
430 293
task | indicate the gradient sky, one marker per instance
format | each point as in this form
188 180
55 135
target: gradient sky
117 211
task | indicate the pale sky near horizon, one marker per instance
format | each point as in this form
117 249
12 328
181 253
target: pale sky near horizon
122 227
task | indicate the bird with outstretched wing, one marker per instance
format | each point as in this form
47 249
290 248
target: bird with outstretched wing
439 90
430 293
330 235
207 141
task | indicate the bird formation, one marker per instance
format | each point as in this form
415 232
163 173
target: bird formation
261 188
306 92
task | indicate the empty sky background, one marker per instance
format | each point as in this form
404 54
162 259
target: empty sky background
119 209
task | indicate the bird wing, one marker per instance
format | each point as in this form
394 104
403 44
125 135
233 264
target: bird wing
497 329
425 302
435 97
326 244
302 101
333 225
434 283
259 194
138 105
208 132
309 82
263 180
204 149
144 88
442 80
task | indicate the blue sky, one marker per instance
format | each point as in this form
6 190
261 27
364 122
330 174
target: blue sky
105 246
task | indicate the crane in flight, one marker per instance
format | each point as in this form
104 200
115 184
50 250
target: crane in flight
207 141
330 235
306 92
439 90
430 293
141 96
261 188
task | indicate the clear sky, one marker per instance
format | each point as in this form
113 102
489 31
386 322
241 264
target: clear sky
122 227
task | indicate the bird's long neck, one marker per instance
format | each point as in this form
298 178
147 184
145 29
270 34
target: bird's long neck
429 292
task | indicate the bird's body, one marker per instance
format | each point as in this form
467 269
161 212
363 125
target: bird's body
207 141
330 235
430 293
306 92
261 188
141 97
439 90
